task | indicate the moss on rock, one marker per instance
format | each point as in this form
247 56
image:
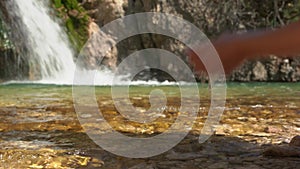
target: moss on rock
5 43
76 20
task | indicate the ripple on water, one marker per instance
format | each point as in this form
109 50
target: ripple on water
41 132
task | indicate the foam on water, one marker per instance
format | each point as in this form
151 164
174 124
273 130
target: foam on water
50 47
48 42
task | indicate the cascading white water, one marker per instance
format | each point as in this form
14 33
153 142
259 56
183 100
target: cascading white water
49 45
48 42
50 49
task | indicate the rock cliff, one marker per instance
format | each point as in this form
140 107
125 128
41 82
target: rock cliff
212 19
84 17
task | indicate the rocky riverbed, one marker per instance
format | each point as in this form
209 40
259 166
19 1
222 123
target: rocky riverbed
39 129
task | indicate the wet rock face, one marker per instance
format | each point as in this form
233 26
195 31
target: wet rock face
292 150
182 9
99 50
295 141
259 72
14 23
13 63
268 69
104 11
205 16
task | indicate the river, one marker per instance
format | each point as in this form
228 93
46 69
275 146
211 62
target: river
39 128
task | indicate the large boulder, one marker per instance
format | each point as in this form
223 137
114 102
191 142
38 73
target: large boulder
213 18
99 50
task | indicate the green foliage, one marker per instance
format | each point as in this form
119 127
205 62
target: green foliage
76 20
57 3
233 15
5 43
71 4
292 13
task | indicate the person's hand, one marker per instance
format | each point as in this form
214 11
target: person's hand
230 51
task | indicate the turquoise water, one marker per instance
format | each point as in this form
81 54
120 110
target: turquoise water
264 92
39 127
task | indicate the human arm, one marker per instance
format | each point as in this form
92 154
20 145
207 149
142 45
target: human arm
235 48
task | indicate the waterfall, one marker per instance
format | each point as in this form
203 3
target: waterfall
50 54
48 43
47 46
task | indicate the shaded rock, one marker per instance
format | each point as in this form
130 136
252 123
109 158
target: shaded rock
13 61
295 141
282 151
243 73
110 10
99 50
218 165
211 17
73 13
285 70
144 166
205 15
177 164
184 156
272 67
12 66
251 166
259 73
104 11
